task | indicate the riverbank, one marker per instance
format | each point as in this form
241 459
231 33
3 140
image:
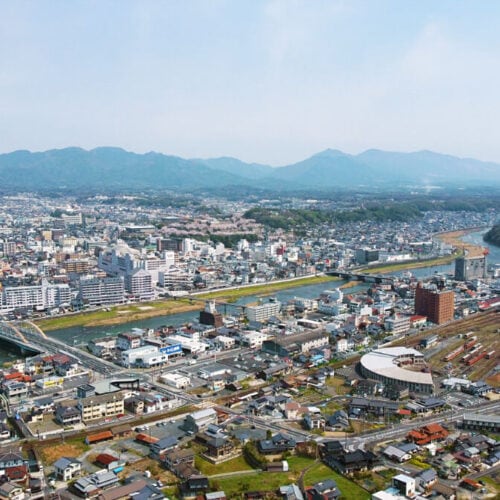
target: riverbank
454 238
145 310
412 264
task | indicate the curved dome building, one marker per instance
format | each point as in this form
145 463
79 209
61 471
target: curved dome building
398 366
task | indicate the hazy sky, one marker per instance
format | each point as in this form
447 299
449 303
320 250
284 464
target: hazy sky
269 81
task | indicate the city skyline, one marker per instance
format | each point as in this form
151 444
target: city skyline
267 81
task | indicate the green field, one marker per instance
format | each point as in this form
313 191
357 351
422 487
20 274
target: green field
235 487
209 469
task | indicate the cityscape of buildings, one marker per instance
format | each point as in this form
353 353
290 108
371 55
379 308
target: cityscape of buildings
363 380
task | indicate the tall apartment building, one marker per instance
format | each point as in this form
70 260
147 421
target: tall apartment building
9 248
44 296
139 283
469 268
263 312
96 292
76 266
438 306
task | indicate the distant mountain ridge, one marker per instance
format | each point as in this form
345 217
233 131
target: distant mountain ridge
115 168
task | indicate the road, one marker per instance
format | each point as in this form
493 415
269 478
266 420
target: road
403 429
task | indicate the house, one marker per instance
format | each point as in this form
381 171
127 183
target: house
68 415
161 446
324 490
219 449
427 434
194 485
11 491
90 485
347 462
427 478
293 410
331 447
173 458
279 443
10 459
291 492
339 421
67 468
404 484
378 407
396 454
136 488
314 421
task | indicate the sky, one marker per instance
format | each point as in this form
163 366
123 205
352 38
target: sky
265 81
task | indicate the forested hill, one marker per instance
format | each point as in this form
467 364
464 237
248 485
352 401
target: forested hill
493 235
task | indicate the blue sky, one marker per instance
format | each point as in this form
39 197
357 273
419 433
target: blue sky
267 81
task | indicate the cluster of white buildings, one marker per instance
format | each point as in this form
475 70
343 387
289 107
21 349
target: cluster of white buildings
38 297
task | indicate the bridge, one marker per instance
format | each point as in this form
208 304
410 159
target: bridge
357 276
10 332
31 339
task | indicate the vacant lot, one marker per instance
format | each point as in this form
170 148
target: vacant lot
70 448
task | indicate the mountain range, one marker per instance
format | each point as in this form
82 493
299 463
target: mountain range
108 168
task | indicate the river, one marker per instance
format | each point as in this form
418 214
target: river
79 334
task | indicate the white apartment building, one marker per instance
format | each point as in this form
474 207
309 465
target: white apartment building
263 312
140 284
397 324
44 296
175 278
97 291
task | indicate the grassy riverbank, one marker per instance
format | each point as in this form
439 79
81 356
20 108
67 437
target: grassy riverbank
144 310
416 264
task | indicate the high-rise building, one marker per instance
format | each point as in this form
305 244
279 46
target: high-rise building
104 291
469 268
437 305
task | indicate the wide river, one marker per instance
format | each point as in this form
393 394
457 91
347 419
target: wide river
79 335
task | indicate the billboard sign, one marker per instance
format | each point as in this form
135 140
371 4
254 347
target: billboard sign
171 349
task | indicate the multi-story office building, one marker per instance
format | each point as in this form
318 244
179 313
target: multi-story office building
95 291
437 305
469 268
